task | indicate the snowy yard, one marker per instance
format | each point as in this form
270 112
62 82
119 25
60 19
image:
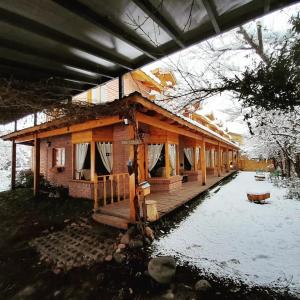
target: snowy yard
228 236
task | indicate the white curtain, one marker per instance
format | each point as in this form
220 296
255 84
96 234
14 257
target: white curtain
81 151
105 151
154 151
172 156
189 153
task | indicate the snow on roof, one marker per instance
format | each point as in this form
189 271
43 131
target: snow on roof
195 123
151 75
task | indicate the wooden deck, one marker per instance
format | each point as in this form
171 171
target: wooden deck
117 214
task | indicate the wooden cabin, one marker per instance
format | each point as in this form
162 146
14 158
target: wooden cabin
178 156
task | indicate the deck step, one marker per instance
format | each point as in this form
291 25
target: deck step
113 221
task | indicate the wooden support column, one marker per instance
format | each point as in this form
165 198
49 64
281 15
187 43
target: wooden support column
35 119
36 171
219 160
167 160
195 160
203 162
237 160
177 160
121 87
13 164
227 160
132 191
93 159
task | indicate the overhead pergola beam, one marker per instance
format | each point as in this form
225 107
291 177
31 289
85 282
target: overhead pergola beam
212 14
106 24
48 73
158 18
60 37
45 54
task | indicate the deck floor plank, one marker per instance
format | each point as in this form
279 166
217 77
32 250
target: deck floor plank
166 201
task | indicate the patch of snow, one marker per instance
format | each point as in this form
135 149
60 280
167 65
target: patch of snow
228 236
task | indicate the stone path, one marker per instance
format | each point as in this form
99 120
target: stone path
75 246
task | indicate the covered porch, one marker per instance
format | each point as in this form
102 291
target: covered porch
117 214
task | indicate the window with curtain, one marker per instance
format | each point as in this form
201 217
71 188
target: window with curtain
105 149
172 158
189 158
82 164
59 157
156 160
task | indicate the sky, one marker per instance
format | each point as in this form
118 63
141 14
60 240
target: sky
276 22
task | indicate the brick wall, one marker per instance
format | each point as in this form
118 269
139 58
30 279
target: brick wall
63 141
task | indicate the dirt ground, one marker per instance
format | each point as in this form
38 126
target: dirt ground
23 275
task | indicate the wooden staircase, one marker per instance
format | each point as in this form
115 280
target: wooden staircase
114 221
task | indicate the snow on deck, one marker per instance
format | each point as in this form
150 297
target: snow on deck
229 236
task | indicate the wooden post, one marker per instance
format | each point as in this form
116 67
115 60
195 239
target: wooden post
219 160
93 159
121 87
195 160
35 119
132 191
96 200
227 160
13 164
36 171
237 160
177 160
167 160
203 162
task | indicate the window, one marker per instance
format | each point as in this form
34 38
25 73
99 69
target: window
58 157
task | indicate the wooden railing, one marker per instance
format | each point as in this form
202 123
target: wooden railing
109 189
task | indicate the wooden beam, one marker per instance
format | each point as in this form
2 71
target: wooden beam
154 13
36 166
181 122
50 56
42 132
13 164
40 29
108 25
212 14
165 126
203 161
48 72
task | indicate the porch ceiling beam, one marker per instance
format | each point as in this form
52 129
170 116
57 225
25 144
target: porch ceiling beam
42 131
60 37
180 121
106 24
29 50
212 14
158 18
49 73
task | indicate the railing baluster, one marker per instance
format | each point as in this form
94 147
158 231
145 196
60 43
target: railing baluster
124 188
104 190
111 188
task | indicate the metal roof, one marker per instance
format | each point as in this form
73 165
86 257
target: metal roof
88 42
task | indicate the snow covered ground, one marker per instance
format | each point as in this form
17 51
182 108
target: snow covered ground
231 237
4 180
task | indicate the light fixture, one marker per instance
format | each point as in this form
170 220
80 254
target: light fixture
126 122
